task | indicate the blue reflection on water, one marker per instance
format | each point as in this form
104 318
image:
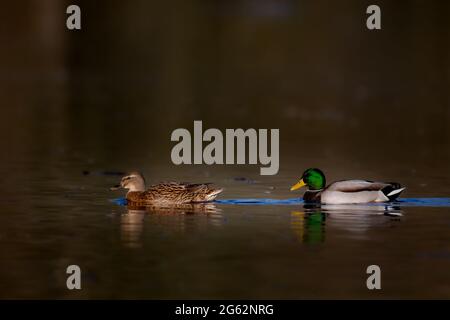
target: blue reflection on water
262 201
404 202
120 201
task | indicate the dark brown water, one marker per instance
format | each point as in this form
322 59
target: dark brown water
354 103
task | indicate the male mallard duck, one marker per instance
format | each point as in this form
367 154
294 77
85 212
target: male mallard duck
346 191
165 193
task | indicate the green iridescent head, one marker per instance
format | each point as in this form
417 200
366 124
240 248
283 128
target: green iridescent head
313 178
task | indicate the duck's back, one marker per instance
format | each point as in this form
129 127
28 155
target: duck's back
175 193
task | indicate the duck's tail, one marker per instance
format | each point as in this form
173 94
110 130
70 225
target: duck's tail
393 190
212 194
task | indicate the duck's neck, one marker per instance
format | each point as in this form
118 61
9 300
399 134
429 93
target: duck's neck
311 196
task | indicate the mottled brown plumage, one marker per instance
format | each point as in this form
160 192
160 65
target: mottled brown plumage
166 193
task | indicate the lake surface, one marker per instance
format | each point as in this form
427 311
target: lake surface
79 107
216 250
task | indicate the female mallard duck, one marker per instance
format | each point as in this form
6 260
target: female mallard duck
345 191
165 193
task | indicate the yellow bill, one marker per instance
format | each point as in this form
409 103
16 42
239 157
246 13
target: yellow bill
298 185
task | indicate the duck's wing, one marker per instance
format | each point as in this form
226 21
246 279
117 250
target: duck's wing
180 187
391 190
181 192
356 186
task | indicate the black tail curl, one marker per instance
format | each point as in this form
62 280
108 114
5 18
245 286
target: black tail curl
392 187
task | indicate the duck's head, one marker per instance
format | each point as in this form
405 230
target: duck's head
133 182
313 178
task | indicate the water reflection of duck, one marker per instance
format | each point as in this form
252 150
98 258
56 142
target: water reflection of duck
131 227
309 227
185 208
310 223
165 193
345 191
171 217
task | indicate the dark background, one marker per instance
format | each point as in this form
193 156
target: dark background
138 70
